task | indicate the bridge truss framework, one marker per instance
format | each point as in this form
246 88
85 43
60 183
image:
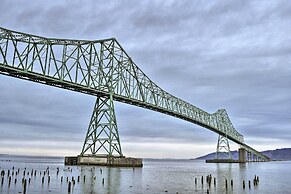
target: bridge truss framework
102 68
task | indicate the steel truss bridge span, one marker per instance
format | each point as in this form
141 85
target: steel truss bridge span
101 68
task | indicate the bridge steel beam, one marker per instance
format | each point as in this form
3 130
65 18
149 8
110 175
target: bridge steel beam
102 136
223 149
100 68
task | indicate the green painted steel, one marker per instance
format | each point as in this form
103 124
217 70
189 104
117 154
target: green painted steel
102 136
223 150
101 68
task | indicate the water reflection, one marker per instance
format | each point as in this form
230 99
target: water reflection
157 176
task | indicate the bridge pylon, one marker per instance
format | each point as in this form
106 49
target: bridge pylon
102 144
223 148
102 136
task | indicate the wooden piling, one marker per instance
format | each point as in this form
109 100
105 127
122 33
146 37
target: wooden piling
69 187
244 185
24 187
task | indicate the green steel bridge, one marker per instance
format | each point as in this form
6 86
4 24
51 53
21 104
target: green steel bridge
102 68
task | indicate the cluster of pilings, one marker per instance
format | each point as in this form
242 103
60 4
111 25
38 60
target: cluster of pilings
256 181
12 177
210 181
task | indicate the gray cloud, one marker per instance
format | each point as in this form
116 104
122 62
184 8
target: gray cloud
226 54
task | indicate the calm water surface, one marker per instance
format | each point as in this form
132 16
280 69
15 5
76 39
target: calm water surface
157 176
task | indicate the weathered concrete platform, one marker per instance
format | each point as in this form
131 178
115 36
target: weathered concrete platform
224 161
103 160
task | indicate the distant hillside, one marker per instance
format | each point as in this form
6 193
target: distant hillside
278 154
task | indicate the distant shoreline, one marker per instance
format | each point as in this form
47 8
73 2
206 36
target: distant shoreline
29 156
282 154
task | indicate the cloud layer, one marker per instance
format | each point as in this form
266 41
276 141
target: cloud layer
228 54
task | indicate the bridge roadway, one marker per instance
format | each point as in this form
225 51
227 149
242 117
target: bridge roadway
101 68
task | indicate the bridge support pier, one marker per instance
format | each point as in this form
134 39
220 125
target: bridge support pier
248 156
223 149
223 153
242 155
102 135
102 144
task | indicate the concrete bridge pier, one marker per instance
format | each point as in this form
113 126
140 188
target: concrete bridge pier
250 158
242 155
247 156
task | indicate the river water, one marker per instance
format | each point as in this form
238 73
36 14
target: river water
157 176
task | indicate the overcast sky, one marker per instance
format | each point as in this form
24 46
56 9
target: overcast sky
214 54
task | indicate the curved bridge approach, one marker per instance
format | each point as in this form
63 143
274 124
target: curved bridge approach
103 69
